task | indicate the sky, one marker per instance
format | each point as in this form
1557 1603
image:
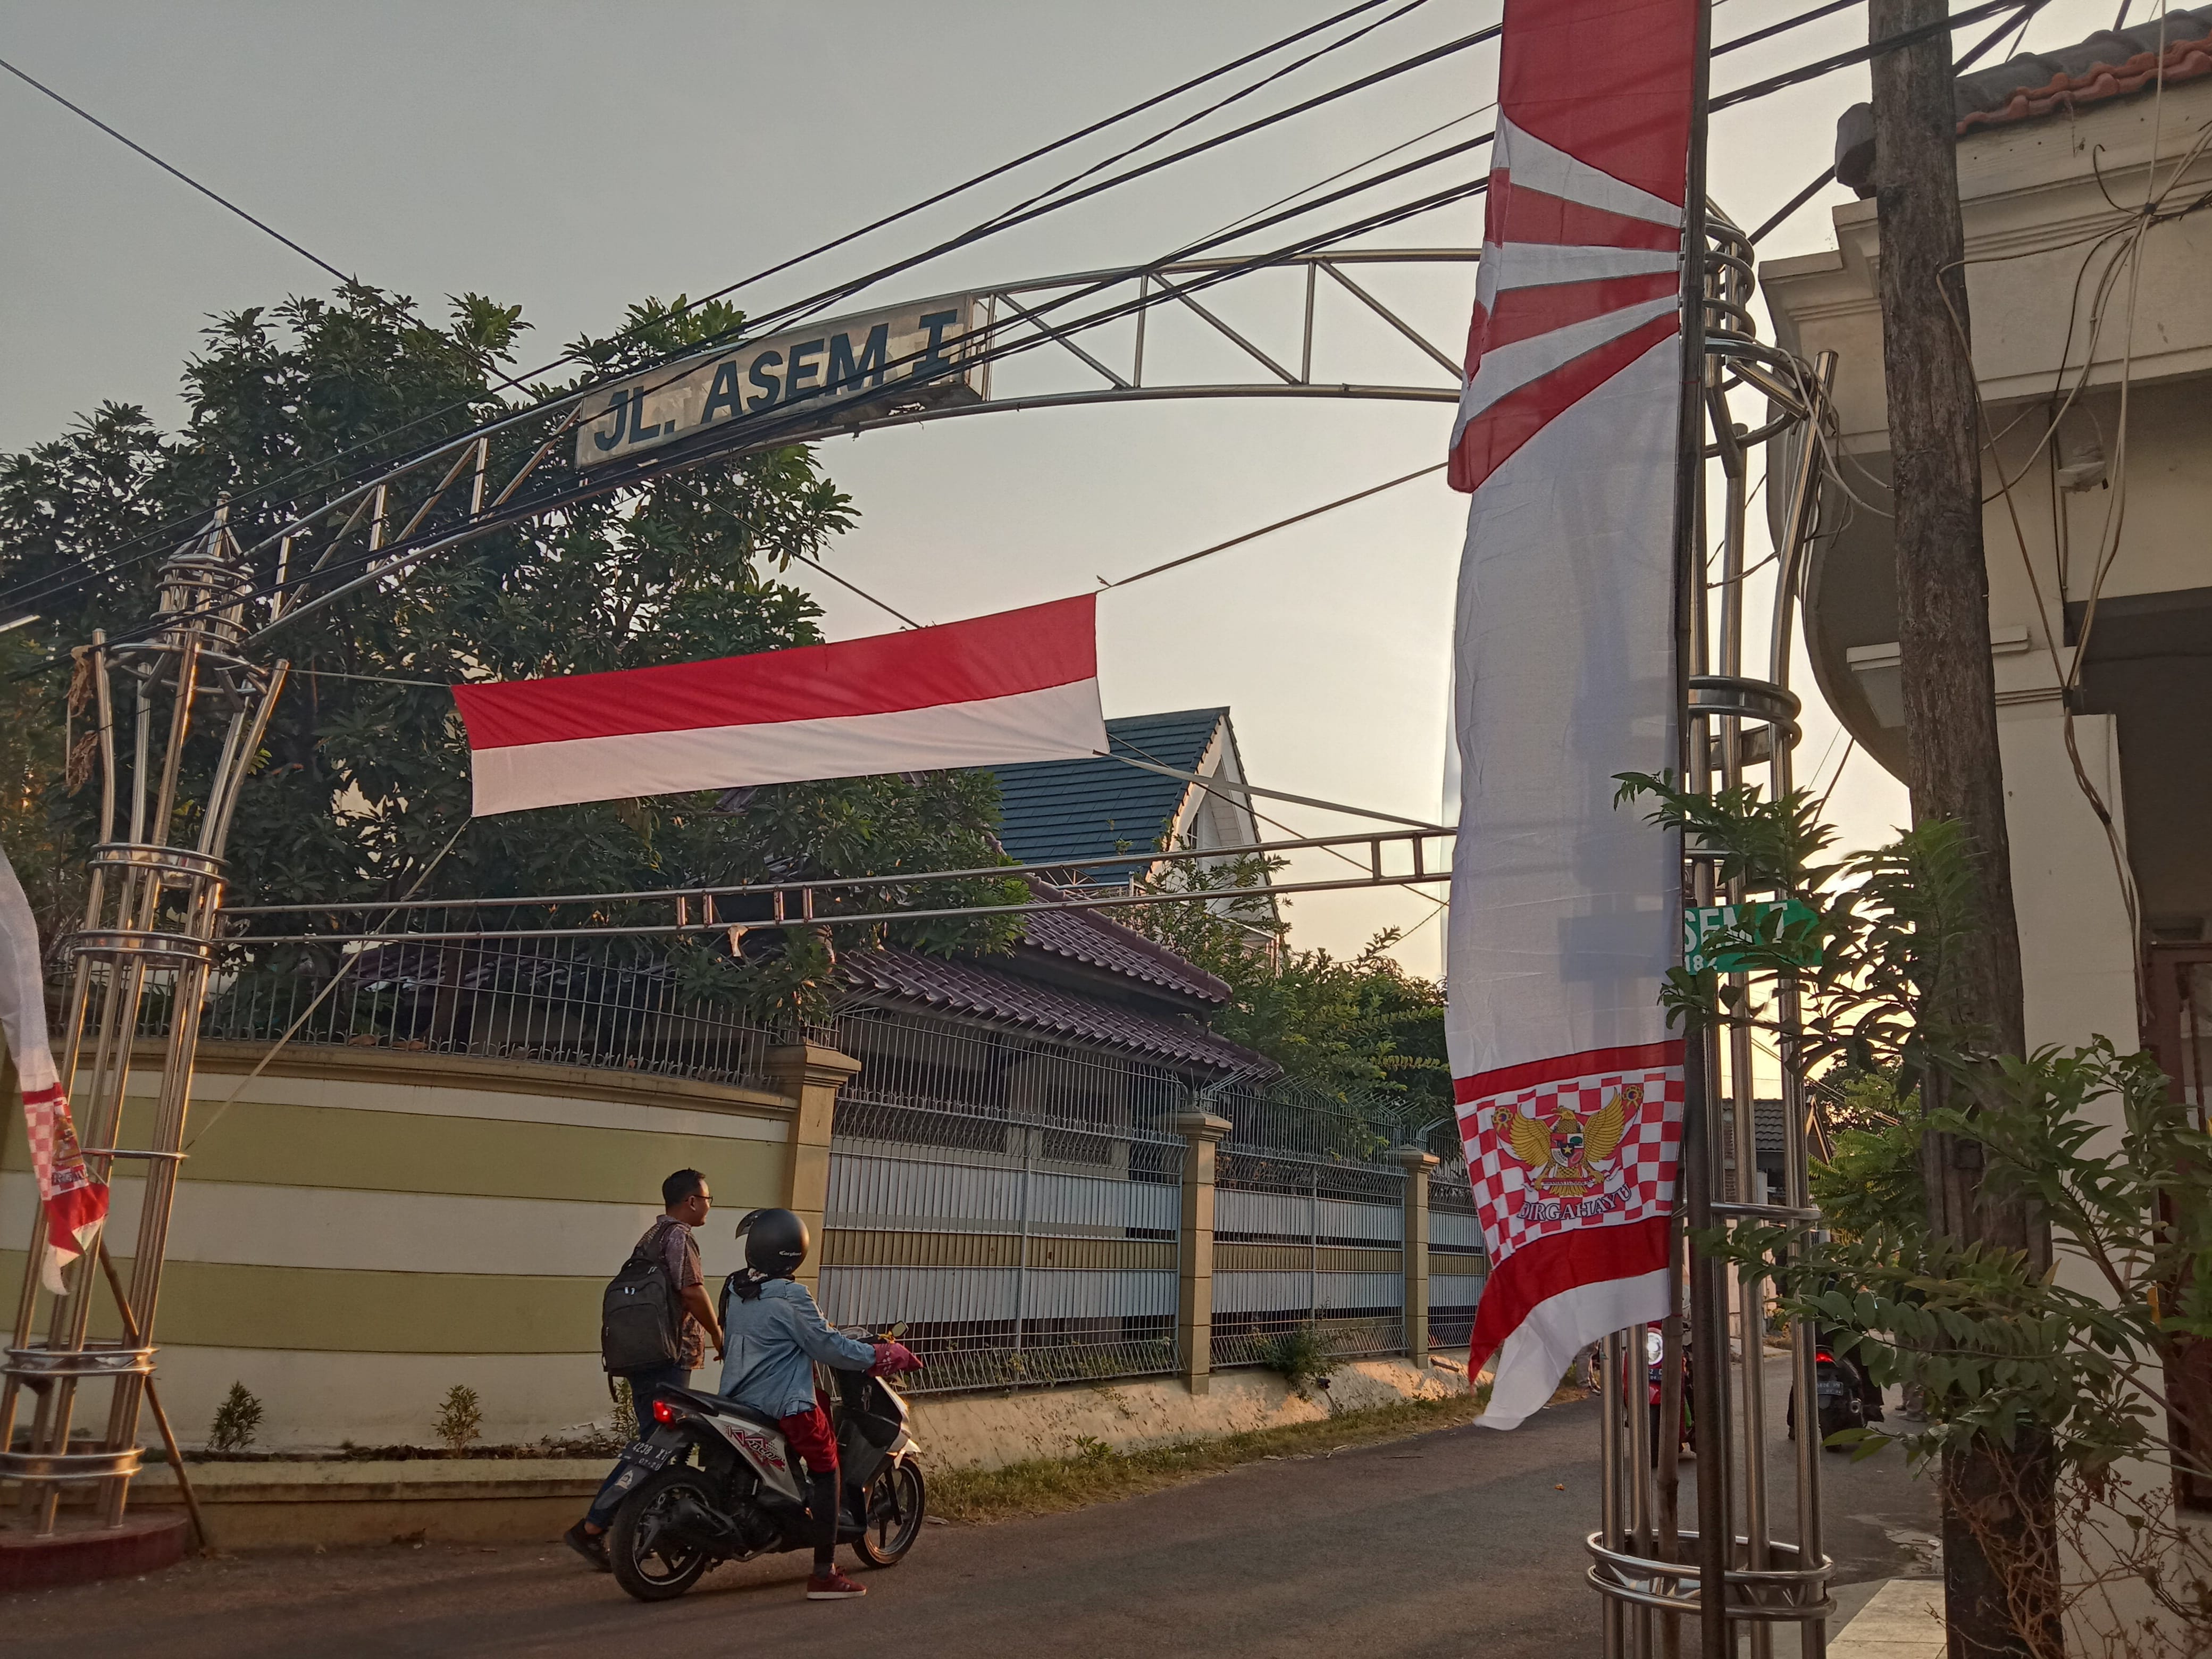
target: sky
575 159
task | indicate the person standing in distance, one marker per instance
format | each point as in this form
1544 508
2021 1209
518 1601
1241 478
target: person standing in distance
685 1202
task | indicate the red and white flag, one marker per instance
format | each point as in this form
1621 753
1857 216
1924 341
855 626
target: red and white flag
75 1204
1021 685
1565 914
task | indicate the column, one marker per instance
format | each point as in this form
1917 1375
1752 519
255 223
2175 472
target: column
1416 1163
1201 1133
809 1074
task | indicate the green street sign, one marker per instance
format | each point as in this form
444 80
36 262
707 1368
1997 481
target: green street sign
1699 925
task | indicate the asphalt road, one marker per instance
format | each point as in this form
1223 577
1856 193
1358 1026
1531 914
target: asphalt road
1462 1541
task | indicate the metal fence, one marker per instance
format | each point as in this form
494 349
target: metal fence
1013 1201
623 1003
1309 1229
1458 1264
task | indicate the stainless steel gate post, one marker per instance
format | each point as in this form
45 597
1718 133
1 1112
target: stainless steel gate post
1735 724
193 713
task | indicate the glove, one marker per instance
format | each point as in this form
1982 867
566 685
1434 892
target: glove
892 1358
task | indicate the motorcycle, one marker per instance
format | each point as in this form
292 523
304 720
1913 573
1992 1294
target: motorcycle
1840 1388
1655 1372
716 1482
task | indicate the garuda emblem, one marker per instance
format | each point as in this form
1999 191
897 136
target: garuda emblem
1568 1155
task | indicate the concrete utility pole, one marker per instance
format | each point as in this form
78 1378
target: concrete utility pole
1950 705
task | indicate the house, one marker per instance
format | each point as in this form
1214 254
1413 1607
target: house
1093 808
2093 351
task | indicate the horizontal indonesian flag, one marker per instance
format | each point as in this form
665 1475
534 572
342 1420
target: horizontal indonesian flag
75 1204
1566 913
1021 685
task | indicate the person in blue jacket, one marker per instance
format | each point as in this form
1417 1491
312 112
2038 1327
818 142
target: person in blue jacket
772 1335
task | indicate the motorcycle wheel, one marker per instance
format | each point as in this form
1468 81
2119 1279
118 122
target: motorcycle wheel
652 1568
898 1498
1847 1414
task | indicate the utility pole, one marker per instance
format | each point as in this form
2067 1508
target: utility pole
1950 713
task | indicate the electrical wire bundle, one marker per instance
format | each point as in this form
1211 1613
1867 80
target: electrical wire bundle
386 562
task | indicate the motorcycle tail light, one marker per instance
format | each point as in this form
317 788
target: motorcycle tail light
662 1411
1821 1354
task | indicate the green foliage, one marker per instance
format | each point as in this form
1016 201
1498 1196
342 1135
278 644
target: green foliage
1302 1357
1360 1027
1872 1182
2090 1139
32 756
362 780
237 1420
459 1421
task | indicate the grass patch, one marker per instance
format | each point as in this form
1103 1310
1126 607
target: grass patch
1099 1474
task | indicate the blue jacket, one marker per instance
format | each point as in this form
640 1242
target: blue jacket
770 1343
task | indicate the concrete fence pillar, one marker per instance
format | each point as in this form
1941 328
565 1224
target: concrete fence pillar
809 1075
1201 1133
1416 1163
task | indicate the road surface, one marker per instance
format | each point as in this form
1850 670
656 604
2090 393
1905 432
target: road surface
1462 1541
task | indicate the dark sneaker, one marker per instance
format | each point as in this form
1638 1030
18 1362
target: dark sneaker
832 1586
592 1545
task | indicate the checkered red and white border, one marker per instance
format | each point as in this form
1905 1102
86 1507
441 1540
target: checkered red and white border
1643 1169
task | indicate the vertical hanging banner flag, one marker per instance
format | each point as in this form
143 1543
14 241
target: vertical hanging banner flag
1021 685
1566 913
75 1204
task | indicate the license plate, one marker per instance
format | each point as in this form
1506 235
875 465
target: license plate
1830 1390
648 1457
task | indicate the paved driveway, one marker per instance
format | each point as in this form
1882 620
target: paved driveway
1462 1541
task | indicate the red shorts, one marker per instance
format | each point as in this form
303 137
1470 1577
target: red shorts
808 1433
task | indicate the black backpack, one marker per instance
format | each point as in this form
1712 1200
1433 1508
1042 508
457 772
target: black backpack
641 1318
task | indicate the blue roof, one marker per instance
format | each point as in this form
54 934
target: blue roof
1079 809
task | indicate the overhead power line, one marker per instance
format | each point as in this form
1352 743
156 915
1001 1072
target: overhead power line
989 227
177 172
387 560
2028 9
1269 529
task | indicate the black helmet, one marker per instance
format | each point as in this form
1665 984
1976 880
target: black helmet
776 1242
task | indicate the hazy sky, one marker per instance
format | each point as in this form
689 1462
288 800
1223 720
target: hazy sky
577 158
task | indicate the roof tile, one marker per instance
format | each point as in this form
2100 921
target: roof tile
966 987
1093 808
2111 64
1086 937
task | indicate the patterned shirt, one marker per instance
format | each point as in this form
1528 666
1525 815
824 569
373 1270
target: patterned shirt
679 1255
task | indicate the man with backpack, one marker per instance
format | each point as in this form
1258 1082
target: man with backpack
654 1332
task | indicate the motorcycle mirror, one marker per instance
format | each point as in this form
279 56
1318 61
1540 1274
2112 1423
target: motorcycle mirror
896 1332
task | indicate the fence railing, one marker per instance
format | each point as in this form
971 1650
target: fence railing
620 1004
1458 1265
1013 1201
1309 1227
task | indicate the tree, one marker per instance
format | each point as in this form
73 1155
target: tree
364 777
1361 1028
1950 706
2037 1393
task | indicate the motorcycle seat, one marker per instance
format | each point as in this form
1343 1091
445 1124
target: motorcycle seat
723 1406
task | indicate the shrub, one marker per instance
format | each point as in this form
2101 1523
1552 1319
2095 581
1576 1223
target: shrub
236 1421
1302 1357
460 1418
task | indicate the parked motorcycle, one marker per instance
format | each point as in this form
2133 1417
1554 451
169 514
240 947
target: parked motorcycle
718 1483
1655 1372
1846 1398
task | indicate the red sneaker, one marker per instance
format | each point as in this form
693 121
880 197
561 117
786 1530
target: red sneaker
832 1586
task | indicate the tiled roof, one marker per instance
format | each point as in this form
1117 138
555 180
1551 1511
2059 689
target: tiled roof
2108 65
1090 808
1085 936
966 988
